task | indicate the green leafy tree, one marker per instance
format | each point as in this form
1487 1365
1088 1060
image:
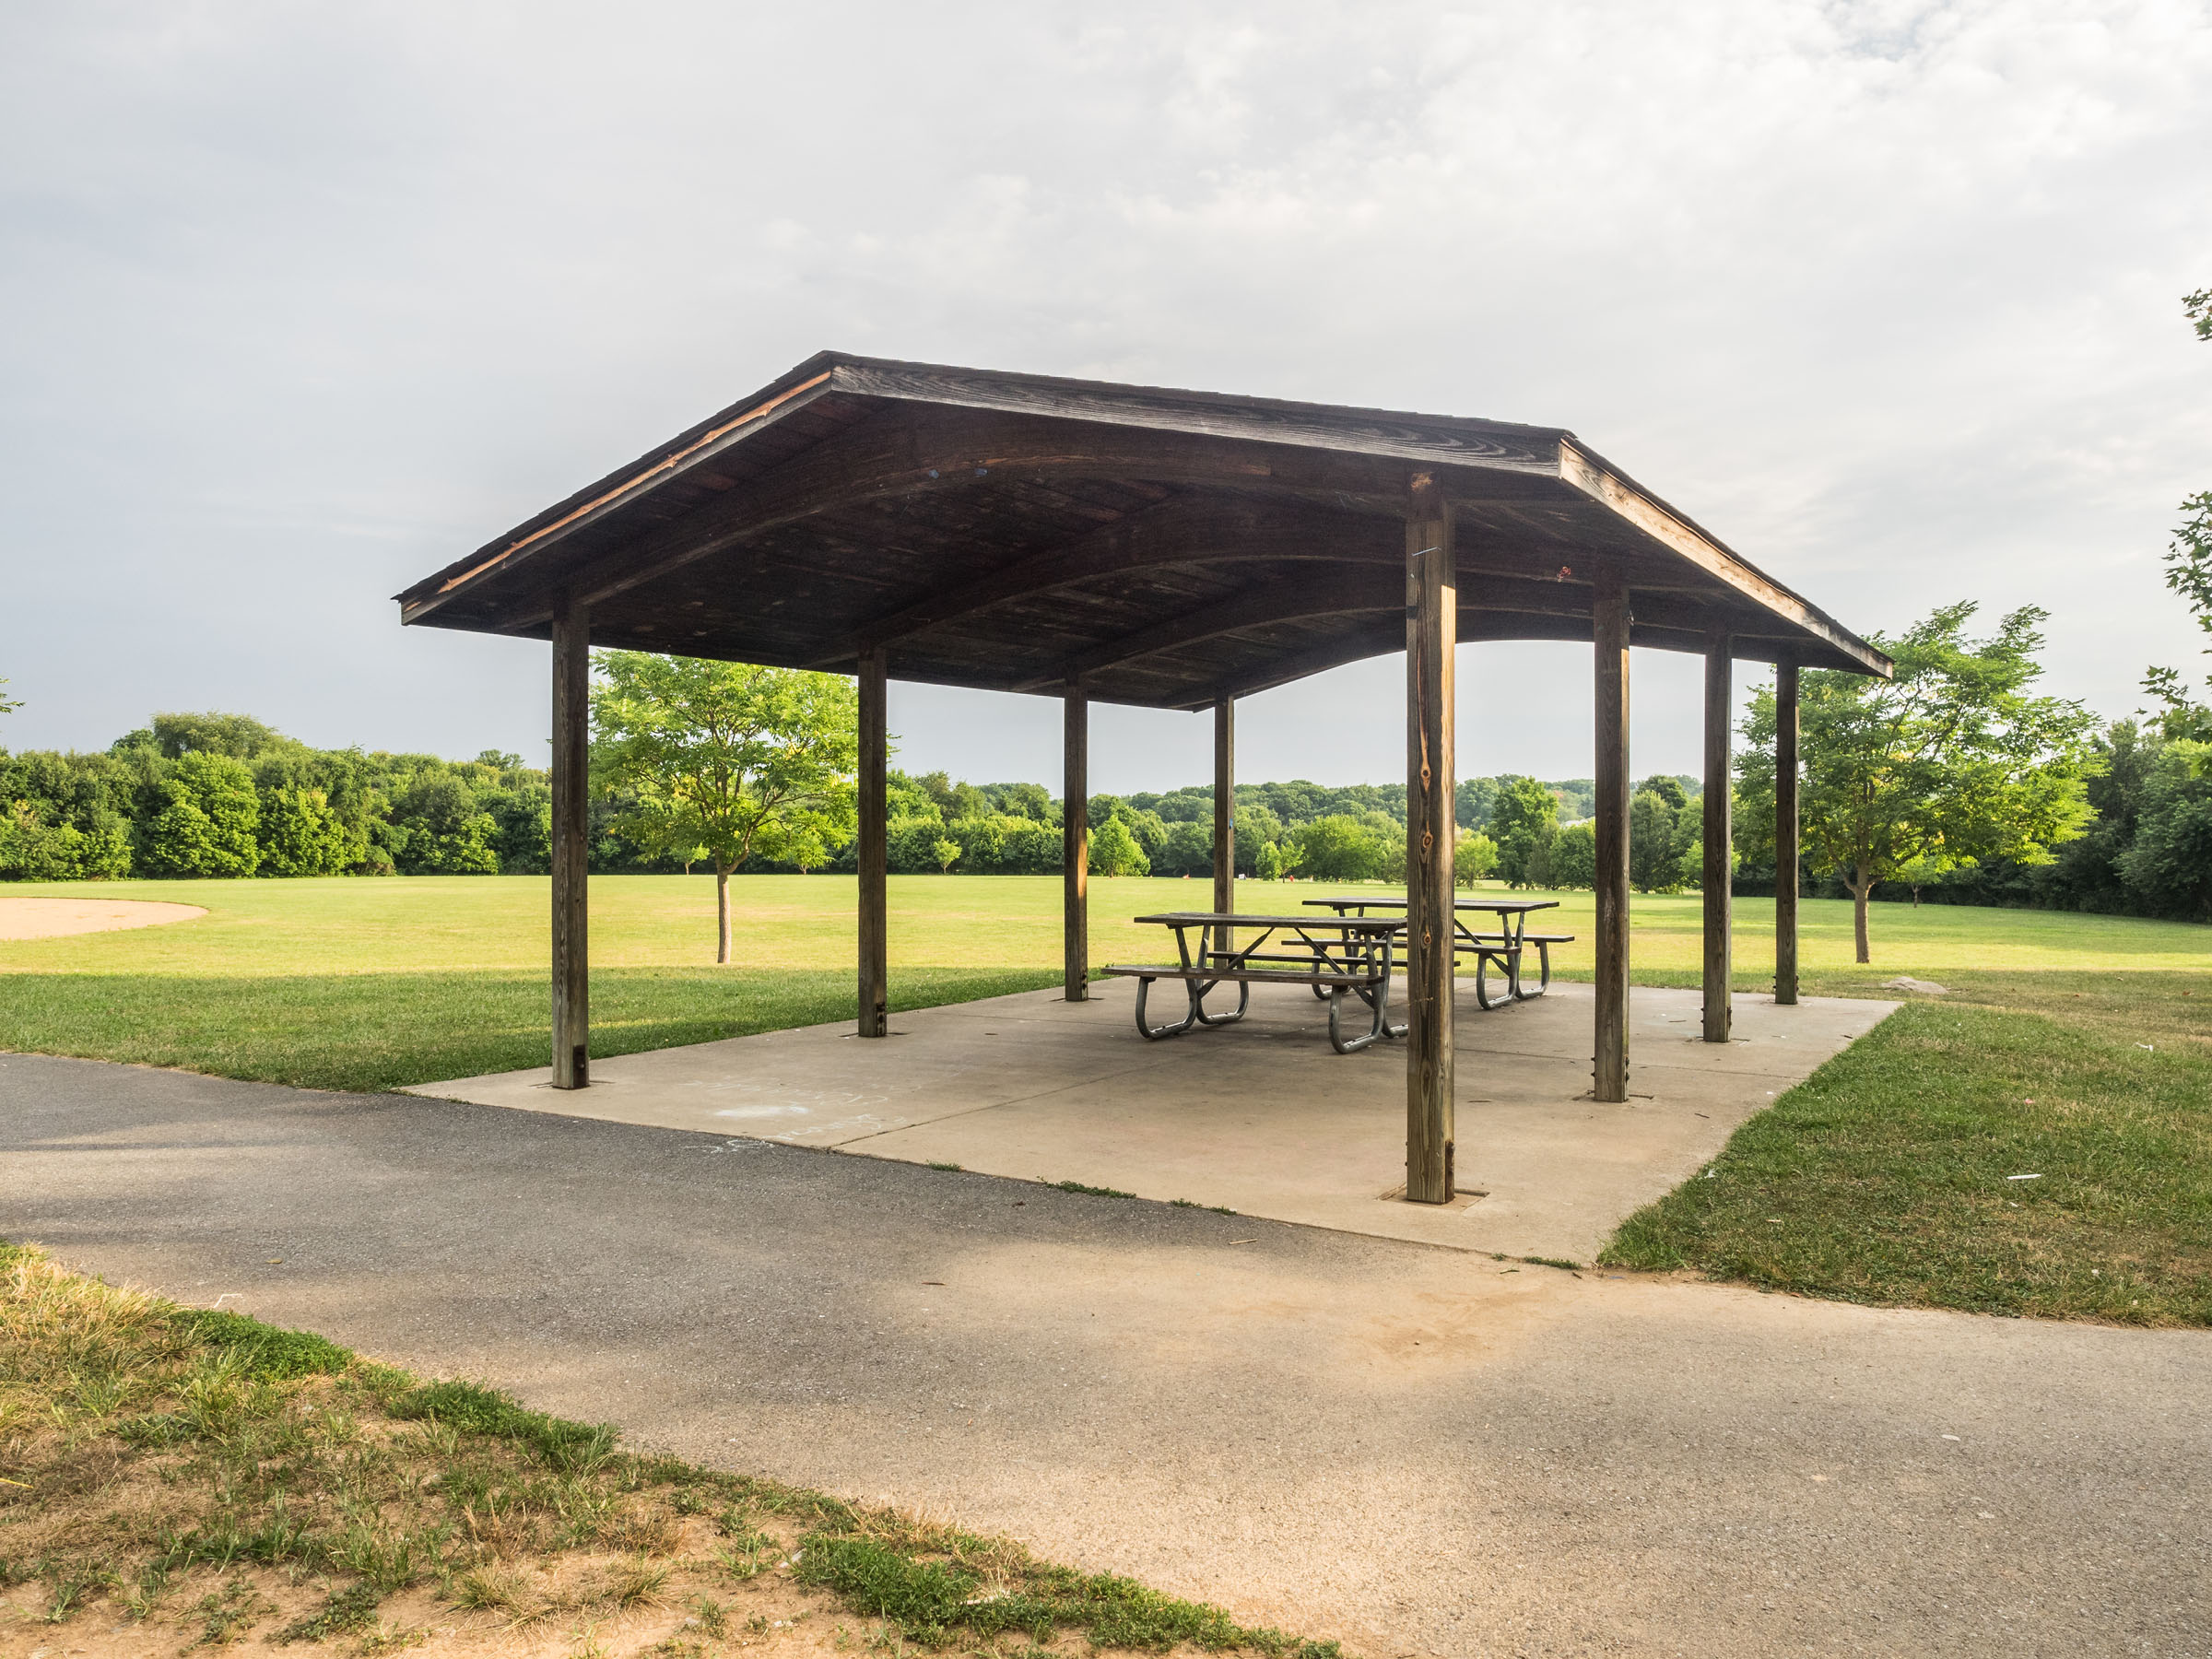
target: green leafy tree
443 831
1524 817
241 737
301 835
1917 873
32 849
1338 848
1187 848
1952 760
1267 863
2169 864
1574 857
1655 852
521 828
1114 851
1473 858
947 854
1256 827
2188 573
724 761
205 813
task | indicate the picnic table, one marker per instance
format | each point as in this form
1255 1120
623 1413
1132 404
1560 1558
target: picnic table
1503 948
1340 957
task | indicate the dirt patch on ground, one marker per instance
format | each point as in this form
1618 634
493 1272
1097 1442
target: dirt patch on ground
610 1606
52 918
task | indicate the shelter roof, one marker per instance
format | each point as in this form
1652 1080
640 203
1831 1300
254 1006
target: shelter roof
1167 547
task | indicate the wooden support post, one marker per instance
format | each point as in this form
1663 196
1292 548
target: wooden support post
1074 845
1785 834
571 843
1610 630
1431 635
873 850
1225 817
1720 827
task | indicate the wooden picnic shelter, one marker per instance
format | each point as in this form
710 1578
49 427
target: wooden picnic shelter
1163 549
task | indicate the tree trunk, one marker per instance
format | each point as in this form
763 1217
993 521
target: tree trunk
722 915
1859 890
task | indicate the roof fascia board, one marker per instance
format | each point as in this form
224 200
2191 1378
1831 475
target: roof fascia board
1595 477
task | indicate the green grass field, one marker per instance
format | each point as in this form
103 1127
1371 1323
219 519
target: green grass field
2077 1048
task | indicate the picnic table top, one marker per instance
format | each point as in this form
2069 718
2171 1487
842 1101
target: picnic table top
1503 906
1238 918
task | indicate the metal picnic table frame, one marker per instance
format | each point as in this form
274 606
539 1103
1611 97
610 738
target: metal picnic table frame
1336 956
1504 947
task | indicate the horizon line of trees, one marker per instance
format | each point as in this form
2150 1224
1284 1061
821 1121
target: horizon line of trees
215 794
219 795
199 795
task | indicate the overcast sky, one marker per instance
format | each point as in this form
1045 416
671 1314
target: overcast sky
301 301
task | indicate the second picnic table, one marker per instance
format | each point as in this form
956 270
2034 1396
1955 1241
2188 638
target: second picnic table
1503 948
1339 955
1348 954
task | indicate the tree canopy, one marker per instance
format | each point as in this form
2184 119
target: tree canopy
719 760
1525 816
1952 762
2188 573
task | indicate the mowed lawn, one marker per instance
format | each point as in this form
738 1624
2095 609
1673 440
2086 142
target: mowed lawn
2075 1049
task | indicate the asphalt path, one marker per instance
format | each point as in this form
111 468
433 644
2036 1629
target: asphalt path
1420 1451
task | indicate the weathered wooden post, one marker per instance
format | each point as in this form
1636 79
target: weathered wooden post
571 843
1785 832
1075 844
1225 817
1609 631
1716 878
873 851
1431 636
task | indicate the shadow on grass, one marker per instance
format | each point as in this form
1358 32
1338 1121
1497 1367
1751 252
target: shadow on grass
379 1031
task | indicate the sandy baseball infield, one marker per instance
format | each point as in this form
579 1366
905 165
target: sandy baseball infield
51 918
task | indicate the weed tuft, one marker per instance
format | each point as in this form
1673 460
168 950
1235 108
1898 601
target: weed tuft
637 1582
922 1597
346 1613
570 1448
265 1353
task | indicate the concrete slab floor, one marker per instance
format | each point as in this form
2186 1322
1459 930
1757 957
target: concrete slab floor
1261 1117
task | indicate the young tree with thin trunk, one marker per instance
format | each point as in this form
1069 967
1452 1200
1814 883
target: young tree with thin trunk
724 761
1951 762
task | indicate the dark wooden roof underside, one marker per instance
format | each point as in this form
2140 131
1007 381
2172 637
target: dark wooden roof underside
1008 532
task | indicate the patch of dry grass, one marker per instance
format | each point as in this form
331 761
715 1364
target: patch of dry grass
178 1481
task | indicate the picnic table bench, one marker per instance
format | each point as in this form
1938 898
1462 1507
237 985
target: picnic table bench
1340 957
1503 948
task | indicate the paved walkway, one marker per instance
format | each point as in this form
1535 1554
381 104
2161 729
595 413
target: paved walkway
1410 1447
1262 1117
